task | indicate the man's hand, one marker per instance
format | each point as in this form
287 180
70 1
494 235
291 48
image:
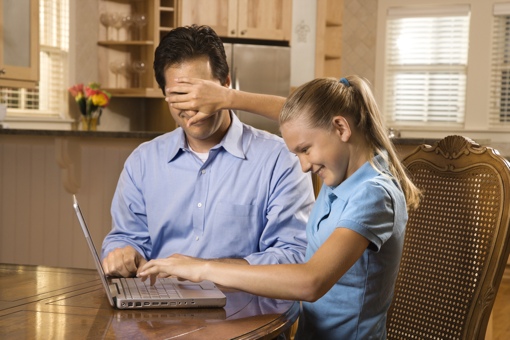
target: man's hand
123 262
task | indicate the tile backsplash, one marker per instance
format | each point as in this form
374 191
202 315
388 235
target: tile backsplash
359 38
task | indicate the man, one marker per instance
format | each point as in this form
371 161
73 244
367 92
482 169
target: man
217 189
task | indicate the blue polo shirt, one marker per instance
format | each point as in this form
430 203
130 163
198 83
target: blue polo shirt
373 205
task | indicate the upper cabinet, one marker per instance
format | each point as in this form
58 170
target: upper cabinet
129 33
19 43
248 19
328 48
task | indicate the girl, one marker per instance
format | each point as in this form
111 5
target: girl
356 229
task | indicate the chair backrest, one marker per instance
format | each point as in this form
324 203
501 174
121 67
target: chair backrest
456 243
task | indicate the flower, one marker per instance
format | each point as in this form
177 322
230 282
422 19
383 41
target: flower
90 99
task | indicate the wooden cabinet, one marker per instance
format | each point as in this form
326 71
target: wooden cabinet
129 33
249 19
19 43
328 50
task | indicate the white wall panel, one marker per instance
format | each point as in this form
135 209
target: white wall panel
37 223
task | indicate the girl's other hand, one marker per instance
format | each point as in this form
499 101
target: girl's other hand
182 266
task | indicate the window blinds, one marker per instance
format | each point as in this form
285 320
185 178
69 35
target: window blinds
49 97
426 61
54 46
499 111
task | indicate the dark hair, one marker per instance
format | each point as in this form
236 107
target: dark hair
187 43
321 99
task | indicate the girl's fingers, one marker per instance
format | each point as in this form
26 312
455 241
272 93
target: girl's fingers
199 116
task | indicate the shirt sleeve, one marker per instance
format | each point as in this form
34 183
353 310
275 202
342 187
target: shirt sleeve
283 239
129 216
370 212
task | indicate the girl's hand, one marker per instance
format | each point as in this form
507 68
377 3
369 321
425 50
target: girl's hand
192 94
182 266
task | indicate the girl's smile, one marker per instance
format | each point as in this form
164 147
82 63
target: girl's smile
321 151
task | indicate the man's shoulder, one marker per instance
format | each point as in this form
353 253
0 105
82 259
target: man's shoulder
156 147
168 137
263 137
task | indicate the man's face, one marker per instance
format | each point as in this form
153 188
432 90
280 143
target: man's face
206 133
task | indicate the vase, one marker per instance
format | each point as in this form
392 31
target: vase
89 123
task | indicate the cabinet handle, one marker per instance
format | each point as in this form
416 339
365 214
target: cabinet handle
243 32
233 32
2 71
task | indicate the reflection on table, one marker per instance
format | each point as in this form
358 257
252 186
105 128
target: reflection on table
59 303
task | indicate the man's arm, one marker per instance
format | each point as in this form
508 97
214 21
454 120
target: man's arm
125 247
283 239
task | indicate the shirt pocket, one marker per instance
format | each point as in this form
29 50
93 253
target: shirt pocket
240 226
236 210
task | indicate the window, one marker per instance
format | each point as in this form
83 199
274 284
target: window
499 113
49 97
426 64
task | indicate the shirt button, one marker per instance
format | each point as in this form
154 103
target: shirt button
197 238
203 172
199 205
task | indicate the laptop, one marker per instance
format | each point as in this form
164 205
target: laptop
132 293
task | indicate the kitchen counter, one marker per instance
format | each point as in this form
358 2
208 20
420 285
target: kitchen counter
79 133
152 134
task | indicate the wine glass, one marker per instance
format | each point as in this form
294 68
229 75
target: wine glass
127 22
117 67
104 19
116 22
138 67
139 20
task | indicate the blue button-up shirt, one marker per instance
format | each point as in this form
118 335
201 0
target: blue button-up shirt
248 200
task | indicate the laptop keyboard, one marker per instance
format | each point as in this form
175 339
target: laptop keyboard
163 288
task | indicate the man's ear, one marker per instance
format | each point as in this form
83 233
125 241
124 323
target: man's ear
342 128
227 81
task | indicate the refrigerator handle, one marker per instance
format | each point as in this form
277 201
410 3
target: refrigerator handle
235 84
236 80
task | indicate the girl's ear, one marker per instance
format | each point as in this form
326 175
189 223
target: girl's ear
342 128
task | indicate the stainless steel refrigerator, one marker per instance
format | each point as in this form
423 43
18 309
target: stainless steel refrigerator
260 69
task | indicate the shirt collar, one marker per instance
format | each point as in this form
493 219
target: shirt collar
365 172
232 142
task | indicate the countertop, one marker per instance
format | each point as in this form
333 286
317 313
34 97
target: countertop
79 133
152 134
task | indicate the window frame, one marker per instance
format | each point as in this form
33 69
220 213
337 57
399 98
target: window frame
478 76
56 118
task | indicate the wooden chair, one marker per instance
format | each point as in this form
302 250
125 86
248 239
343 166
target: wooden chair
456 244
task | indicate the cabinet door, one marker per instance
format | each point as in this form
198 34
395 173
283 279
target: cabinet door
265 19
19 43
220 15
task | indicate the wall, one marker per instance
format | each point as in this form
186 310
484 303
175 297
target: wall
304 22
359 38
359 57
38 175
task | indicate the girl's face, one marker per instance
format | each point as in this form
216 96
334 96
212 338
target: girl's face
323 152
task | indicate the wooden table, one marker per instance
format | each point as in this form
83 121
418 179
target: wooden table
60 303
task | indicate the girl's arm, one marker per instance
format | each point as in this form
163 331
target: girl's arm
208 97
306 282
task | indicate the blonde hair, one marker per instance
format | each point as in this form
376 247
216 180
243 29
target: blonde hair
321 99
